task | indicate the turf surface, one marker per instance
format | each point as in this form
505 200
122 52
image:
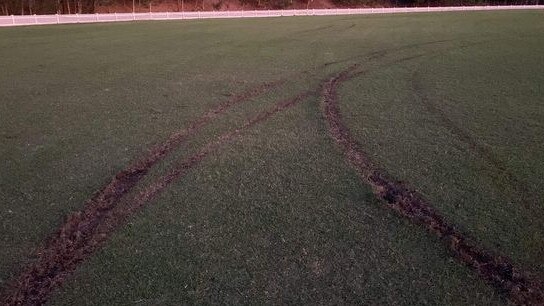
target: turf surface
278 215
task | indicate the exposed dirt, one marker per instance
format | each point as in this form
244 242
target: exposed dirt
497 270
84 232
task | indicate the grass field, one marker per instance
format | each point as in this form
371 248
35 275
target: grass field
451 104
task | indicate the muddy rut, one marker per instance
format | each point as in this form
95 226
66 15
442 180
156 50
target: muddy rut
497 270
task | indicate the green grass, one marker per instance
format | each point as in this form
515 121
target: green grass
278 216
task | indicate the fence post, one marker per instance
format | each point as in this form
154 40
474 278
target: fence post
167 16
115 14
12 19
133 16
35 19
58 18
77 17
96 16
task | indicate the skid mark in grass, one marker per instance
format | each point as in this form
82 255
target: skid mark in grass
497 270
84 232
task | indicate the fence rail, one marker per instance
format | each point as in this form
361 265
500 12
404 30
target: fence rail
116 17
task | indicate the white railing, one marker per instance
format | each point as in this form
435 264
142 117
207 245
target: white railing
91 18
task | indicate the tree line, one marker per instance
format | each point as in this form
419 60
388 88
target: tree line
29 7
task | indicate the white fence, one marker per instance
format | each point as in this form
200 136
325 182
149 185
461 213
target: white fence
91 18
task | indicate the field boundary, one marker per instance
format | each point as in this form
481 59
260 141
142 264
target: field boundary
27 20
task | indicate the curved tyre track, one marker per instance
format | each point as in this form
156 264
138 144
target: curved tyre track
497 270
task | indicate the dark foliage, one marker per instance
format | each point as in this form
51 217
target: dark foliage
18 7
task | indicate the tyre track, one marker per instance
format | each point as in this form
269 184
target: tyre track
497 270
86 231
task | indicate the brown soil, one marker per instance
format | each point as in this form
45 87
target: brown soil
84 232
497 270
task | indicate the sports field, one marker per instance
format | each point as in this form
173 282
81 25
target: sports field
386 159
